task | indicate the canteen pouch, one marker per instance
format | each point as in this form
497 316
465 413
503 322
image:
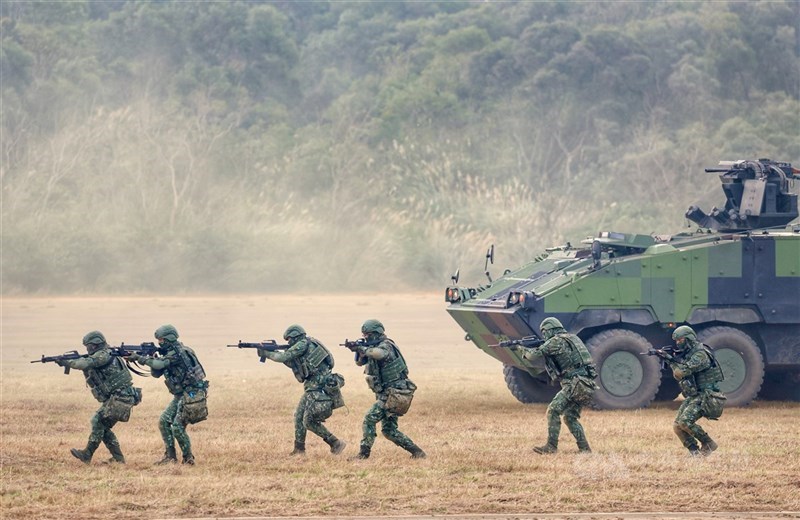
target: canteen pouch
582 390
398 400
195 406
373 384
320 407
118 408
712 404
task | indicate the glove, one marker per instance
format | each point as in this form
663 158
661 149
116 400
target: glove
133 357
61 362
262 353
678 373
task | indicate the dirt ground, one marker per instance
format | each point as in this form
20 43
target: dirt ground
478 437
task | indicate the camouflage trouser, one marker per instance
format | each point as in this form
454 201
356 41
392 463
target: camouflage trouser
173 426
388 422
563 405
306 417
101 431
685 428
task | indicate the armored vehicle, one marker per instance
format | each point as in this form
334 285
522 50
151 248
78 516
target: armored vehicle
735 279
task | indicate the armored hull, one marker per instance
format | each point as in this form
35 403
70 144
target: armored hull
625 293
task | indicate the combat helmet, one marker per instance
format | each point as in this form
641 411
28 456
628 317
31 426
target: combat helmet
686 333
294 333
372 327
94 341
167 333
549 326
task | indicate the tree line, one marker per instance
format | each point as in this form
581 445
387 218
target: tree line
280 146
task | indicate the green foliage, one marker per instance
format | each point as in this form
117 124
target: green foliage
264 146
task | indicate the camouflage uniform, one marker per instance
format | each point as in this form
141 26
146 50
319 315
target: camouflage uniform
385 369
568 361
111 384
311 364
697 373
185 379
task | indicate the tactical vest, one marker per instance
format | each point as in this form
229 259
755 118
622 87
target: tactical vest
185 370
316 359
387 372
576 359
708 378
105 380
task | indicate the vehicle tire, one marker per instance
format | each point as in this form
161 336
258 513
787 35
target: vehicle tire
741 362
527 388
627 377
669 388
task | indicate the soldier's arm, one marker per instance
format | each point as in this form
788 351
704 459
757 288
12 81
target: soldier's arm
378 352
293 352
159 364
98 359
549 347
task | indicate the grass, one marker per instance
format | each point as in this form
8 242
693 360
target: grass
477 436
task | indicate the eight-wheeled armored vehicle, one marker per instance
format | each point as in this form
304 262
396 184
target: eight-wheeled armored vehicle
735 279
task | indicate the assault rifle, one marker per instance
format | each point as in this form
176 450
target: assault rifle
665 354
269 344
143 349
527 341
72 354
356 343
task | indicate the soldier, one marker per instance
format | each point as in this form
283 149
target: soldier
110 382
697 372
568 361
185 379
311 364
387 375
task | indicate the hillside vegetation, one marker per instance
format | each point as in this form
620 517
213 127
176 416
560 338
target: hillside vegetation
277 146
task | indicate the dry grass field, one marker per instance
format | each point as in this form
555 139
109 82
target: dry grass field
477 436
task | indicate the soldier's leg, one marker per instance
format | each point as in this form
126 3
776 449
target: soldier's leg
389 429
111 442
299 427
554 411
375 414
165 427
688 413
178 427
571 415
95 438
314 418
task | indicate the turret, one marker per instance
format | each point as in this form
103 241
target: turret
757 196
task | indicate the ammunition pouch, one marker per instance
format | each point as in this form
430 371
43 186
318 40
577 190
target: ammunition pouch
373 382
194 405
333 389
712 404
320 406
137 395
398 400
688 387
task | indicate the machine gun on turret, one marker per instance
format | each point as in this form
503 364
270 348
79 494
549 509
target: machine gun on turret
757 196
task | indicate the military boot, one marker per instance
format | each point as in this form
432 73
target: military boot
706 447
188 458
693 451
169 457
299 448
583 447
363 453
337 446
116 455
85 455
416 452
546 449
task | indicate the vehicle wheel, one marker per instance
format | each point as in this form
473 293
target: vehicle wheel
780 386
527 388
741 362
627 377
669 388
